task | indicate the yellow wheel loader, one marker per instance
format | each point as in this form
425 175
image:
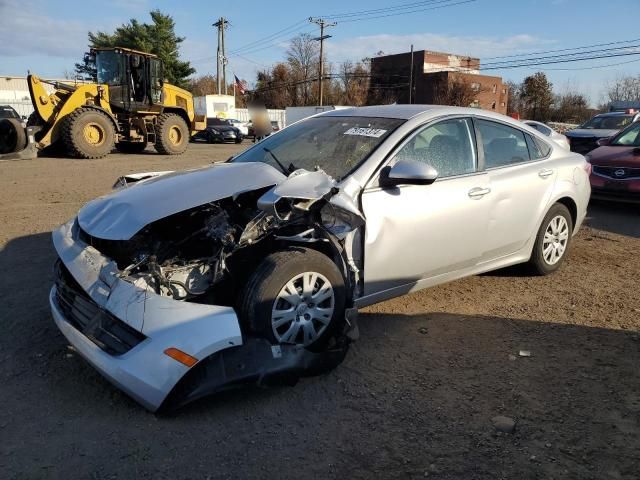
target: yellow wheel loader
130 107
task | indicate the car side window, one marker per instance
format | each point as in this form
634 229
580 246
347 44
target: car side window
502 145
537 148
447 146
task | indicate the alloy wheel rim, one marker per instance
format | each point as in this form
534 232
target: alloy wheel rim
555 240
93 133
303 309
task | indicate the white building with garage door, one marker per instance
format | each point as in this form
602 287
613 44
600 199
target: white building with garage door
14 91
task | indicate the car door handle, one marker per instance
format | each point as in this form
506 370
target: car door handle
478 192
544 173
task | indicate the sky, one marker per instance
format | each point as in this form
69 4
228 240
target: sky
47 37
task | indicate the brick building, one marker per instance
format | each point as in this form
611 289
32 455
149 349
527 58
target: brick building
433 72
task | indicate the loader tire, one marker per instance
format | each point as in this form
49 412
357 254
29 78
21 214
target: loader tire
34 120
13 137
172 134
131 147
88 133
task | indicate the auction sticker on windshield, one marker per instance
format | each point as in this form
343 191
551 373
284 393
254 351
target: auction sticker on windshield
366 132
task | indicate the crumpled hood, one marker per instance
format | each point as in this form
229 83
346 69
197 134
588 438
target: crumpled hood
590 132
123 213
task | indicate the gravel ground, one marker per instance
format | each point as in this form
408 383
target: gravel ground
414 398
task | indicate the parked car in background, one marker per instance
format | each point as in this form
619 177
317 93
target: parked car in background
615 166
585 138
240 125
219 131
275 126
182 284
547 131
7 111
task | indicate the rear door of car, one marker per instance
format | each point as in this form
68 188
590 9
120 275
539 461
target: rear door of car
521 179
422 231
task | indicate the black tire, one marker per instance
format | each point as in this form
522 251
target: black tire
13 137
538 264
239 140
266 282
172 134
88 133
34 120
131 147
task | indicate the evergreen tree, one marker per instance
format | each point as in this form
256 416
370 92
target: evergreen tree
158 37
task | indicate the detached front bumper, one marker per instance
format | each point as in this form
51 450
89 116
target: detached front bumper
144 371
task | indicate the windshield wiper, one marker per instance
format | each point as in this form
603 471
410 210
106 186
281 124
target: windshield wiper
284 170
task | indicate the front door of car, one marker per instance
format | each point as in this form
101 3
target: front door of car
416 232
521 181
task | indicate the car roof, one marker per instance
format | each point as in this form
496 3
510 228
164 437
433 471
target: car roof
615 114
406 112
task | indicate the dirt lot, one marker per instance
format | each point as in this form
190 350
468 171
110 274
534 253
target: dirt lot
413 399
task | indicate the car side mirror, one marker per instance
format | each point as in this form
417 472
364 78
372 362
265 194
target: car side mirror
603 142
408 172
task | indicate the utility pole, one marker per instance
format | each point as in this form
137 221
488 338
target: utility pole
221 67
323 24
411 77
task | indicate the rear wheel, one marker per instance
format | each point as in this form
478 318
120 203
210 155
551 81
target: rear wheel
88 133
296 297
131 147
552 240
172 134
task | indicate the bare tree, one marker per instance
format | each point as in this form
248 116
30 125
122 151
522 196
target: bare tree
624 89
458 93
302 57
514 104
571 107
203 85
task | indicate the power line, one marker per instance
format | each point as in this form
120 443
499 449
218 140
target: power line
398 7
445 4
563 56
284 32
563 49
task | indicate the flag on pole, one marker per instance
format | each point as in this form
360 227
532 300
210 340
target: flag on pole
239 85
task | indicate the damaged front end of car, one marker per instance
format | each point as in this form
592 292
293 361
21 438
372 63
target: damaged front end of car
159 265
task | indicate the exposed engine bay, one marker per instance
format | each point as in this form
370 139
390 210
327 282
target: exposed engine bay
203 254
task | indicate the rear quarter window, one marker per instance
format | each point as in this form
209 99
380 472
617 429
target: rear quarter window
537 148
502 145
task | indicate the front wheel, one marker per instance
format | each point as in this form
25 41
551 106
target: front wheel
172 134
294 297
552 240
88 133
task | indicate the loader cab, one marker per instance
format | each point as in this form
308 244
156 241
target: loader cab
134 78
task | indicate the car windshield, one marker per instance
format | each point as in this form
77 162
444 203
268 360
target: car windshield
608 122
336 145
630 137
8 112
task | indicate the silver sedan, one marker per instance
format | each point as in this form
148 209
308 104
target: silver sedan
180 284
